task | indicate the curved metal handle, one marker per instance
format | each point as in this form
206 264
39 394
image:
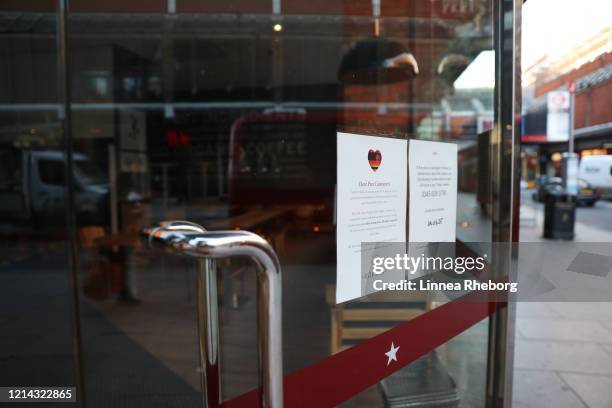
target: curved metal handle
187 238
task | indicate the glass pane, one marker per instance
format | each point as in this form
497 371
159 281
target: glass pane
226 114
449 376
36 317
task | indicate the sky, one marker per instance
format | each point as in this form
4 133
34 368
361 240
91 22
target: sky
549 27
480 73
554 26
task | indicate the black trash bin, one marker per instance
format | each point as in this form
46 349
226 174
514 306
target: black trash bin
559 215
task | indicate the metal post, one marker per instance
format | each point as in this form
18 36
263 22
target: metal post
112 175
193 240
65 118
570 159
208 331
570 147
504 166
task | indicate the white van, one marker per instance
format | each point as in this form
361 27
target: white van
597 171
33 187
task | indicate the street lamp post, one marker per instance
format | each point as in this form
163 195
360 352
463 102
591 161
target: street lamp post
571 87
570 159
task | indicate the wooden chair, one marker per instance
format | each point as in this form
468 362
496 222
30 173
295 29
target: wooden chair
88 235
355 322
96 282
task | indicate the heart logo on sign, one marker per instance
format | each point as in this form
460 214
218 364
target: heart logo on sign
374 158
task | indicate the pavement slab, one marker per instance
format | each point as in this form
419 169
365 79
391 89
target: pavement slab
563 330
594 390
577 357
601 311
563 350
535 310
536 389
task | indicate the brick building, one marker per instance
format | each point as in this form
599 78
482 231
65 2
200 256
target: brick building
592 113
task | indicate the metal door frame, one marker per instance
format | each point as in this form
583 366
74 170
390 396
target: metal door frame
505 192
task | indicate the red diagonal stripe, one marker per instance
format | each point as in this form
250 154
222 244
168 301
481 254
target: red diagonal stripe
341 376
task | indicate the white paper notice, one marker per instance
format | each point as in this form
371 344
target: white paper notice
433 191
371 202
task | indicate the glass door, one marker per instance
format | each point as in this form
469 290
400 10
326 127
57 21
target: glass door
36 296
226 115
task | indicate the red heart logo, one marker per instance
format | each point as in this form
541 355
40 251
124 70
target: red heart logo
374 158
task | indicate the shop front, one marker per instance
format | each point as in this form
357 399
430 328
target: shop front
120 119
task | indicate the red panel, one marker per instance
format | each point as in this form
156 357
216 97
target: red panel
533 139
39 6
592 106
580 105
119 6
224 6
317 7
459 10
357 8
601 101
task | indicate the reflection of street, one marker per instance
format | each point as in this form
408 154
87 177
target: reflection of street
598 216
563 355
593 224
35 341
563 350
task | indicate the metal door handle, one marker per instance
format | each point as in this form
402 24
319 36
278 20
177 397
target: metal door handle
187 238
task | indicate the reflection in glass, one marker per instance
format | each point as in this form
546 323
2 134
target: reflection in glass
226 115
37 339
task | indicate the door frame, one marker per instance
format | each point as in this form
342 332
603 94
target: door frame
505 193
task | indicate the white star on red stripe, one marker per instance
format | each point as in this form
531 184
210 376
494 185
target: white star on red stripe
392 353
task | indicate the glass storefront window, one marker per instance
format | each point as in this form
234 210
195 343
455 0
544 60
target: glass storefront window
226 114
37 322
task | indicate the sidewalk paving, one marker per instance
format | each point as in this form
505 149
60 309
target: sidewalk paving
563 350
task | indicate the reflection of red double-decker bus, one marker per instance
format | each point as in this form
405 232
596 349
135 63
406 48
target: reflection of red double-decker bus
283 157
282 171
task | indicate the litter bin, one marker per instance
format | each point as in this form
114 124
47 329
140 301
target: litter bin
559 215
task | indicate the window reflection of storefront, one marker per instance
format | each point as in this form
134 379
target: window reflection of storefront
208 87
226 115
